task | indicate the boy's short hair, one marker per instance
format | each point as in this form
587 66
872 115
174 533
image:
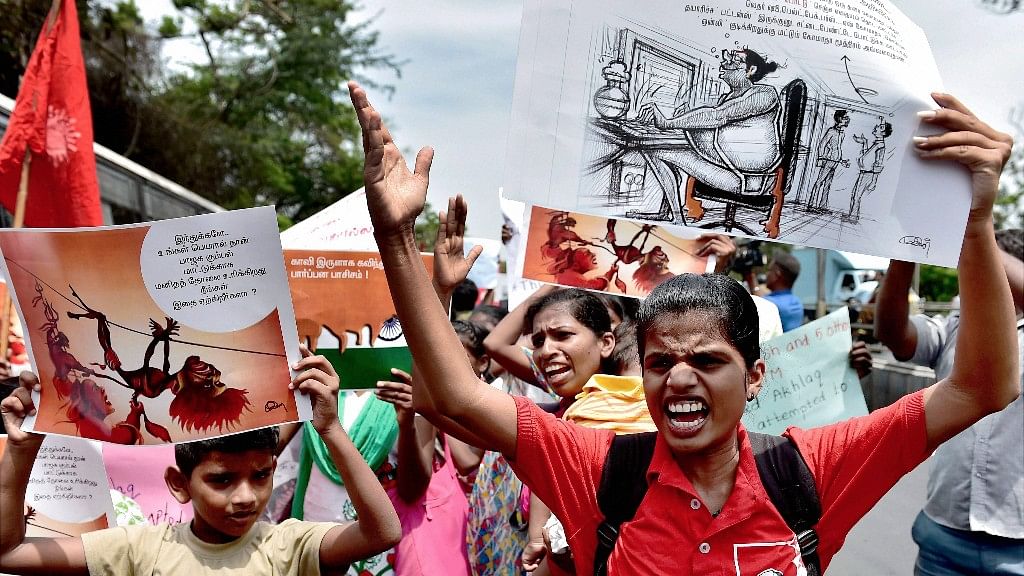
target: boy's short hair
190 454
625 353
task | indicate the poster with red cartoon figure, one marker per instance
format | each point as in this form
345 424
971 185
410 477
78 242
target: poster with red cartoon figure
153 333
604 254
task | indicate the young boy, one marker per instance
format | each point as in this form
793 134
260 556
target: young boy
228 481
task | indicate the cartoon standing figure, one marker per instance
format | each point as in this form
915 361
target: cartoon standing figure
870 162
830 156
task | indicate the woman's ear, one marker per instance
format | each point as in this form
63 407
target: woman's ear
607 344
177 483
755 378
751 71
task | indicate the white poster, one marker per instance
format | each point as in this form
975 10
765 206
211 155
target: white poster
790 120
67 492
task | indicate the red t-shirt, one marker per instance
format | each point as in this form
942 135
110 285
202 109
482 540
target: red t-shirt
854 464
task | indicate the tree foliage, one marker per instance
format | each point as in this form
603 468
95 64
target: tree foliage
262 118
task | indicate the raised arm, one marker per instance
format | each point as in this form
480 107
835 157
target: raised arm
377 527
416 438
20 555
892 322
985 375
502 344
395 196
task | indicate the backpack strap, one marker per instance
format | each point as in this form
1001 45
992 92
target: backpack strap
790 485
622 489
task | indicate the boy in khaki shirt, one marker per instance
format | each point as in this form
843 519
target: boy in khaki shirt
228 480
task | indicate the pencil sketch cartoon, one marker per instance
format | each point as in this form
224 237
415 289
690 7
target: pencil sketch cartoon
870 163
738 139
830 156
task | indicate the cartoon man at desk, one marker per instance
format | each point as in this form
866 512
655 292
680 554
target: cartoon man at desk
719 144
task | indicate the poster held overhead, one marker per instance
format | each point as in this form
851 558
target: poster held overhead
168 331
620 257
764 119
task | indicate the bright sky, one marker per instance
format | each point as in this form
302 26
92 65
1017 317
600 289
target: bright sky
455 91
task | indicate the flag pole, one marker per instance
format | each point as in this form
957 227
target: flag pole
19 221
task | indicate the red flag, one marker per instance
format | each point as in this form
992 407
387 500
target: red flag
52 118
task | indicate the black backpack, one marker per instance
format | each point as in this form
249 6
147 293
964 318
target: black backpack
784 474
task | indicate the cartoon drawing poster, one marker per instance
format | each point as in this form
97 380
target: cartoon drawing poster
344 311
67 491
605 254
161 332
791 121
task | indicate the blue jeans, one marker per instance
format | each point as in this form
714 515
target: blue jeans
948 552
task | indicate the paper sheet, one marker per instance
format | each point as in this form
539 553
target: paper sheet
167 331
808 379
605 254
784 120
344 311
67 491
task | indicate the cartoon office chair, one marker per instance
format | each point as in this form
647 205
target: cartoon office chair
761 191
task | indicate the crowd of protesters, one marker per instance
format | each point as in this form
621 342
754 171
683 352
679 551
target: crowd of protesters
493 455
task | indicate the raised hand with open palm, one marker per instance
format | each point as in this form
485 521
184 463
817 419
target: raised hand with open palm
394 195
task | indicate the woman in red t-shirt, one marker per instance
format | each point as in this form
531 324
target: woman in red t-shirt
705 510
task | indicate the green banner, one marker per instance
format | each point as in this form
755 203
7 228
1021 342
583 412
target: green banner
361 368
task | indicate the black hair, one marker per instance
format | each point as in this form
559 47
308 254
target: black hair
493 313
624 308
625 353
721 298
190 454
839 115
584 306
1011 241
464 297
887 131
472 334
787 265
764 67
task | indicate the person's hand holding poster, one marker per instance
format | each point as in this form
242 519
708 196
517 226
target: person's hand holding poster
344 311
808 378
604 254
168 331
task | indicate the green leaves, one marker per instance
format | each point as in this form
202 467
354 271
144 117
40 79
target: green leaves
259 114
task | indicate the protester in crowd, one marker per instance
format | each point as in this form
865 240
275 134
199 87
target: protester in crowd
428 497
487 316
706 508
723 249
782 273
973 518
321 494
612 401
464 299
228 480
